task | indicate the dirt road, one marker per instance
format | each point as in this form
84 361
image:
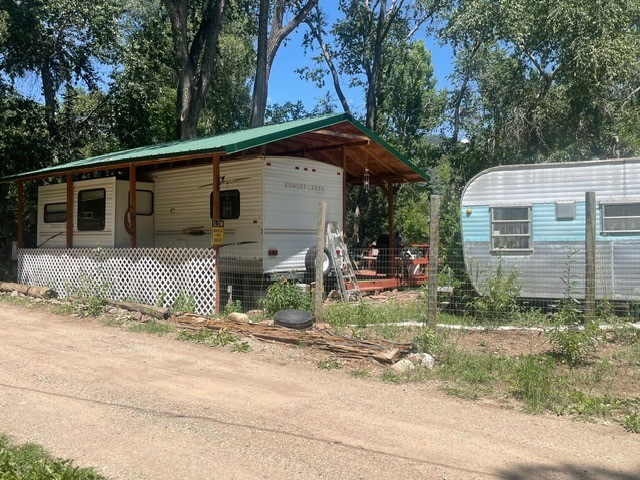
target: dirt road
138 406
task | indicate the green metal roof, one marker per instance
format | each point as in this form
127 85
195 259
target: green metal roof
227 143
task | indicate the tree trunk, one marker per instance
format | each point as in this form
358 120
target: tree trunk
374 78
326 54
261 83
196 59
268 44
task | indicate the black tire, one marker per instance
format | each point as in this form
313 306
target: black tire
298 319
310 261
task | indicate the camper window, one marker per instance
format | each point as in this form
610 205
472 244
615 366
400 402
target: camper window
55 212
511 229
91 209
144 202
229 205
621 218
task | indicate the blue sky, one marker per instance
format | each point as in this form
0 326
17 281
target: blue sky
286 85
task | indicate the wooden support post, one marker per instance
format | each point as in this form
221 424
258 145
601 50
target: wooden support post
344 190
69 227
590 254
434 233
20 214
216 216
322 216
392 228
133 238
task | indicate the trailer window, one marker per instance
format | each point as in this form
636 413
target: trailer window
229 204
511 229
55 212
144 202
621 218
91 209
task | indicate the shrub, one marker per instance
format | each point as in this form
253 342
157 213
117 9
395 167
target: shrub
284 295
499 298
232 307
572 343
184 303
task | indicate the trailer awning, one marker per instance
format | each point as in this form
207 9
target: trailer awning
337 139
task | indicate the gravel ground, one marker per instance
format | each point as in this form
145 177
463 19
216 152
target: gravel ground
138 406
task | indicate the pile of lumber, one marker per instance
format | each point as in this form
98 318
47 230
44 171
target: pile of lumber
381 351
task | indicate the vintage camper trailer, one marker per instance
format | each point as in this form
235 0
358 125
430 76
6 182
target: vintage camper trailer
268 204
532 218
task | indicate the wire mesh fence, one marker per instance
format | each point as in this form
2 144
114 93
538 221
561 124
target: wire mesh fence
489 287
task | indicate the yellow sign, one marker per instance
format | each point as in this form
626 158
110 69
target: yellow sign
217 233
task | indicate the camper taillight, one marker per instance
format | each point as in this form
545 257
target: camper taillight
272 252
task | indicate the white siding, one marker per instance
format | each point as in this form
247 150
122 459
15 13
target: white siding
144 223
182 201
53 235
293 190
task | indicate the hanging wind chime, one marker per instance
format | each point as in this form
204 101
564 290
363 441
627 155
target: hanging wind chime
365 178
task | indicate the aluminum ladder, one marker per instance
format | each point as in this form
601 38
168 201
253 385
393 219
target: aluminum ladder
341 262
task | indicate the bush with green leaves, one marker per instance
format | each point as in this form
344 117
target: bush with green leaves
184 303
572 342
285 295
232 307
498 300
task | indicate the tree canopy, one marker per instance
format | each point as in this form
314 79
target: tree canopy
531 81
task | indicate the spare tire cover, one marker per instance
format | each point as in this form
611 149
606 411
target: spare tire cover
310 261
293 318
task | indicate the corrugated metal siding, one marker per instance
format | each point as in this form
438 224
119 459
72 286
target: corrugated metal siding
547 229
542 273
554 183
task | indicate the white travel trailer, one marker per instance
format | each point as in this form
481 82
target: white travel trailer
269 181
269 206
98 213
532 218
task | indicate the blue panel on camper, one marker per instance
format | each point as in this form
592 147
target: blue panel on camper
547 229
475 223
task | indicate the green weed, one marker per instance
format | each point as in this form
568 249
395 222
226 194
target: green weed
498 299
232 307
208 337
330 364
359 373
572 343
631 423
533 382
32 462
240 347
184 303
152 327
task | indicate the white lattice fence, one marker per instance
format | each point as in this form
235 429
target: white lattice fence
148 275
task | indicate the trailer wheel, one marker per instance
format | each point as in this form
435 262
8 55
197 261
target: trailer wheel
298 319
310 261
